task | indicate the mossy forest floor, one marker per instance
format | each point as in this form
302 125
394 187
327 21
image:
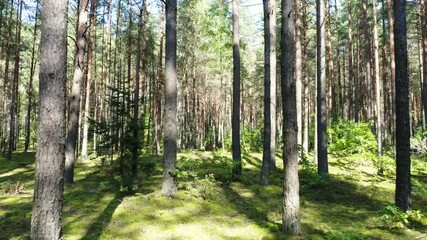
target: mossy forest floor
209 205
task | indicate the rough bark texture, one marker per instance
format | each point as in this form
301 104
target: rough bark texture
49 172
392 63
403 158
322 154
235 121
298 69
169 187
269 90
76 89
291 205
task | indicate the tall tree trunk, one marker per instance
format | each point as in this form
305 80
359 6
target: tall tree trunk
424 54
322 153
158 104
291 205
49 172
30 85
269 151
403 159
88 81
377 80
169 187
235 121
351 111
392 66
106 64
331 71
367 38
15 82
298 69
74 105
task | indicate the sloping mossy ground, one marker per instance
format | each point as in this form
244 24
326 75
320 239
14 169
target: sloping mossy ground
209 205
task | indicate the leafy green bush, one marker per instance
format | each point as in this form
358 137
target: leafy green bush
309 175
253 139
393 218
346 138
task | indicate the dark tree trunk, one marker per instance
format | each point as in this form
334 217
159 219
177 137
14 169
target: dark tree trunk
424 54
169 187
235 121
49 172
403 159
74 105
322 147
269 90
30 85
291 205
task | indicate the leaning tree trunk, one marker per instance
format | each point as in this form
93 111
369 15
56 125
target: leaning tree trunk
49 172
169 187
235 121
291 205
76 89
403 159
269 90
322 154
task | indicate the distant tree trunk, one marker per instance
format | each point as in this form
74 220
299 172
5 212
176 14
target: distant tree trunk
88 81
169 187
393 65
298 69
331 71
49 172
138 73
269 151
377 81
291 205
307 81
74 105
158 104
403 159
30 85
424 54
351 112
368 60
322 148
235 121
106 64
15 82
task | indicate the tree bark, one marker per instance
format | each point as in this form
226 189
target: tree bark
235 121
30 85
424 54
169 187
74 105
322 147
49 171
269 150
403 159
392 66
377 81
291 205
88 81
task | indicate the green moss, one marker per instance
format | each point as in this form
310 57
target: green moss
346 207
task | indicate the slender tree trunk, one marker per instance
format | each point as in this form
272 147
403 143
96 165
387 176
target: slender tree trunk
15 84
368 60
30 85
351 111
88 81
169 187
307 80
49 172
377 81
158 105
392 65
331 71
424 54
269 90
291 205
322 153
235 122
298 69
74 105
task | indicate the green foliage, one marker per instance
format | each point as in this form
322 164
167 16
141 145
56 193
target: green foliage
12 188
346 137
393 218
309 175
419 142
339 235
253 139
206 187
105 185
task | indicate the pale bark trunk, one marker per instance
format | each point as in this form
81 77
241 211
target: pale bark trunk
74 105
377 81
